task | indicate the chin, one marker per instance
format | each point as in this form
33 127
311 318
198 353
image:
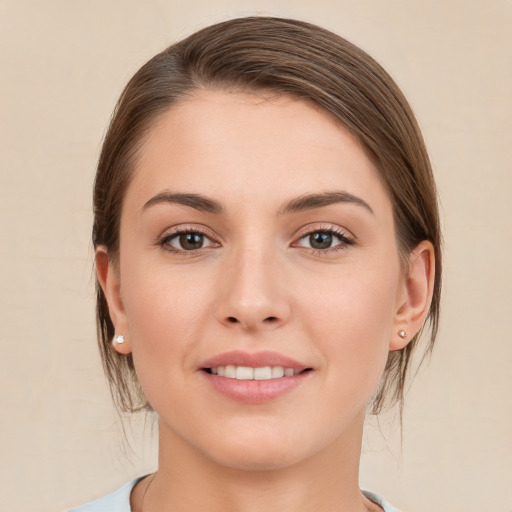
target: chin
263 450
261 459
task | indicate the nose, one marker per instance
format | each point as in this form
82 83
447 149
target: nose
253 294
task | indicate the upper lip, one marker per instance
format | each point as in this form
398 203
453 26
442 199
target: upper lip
254 360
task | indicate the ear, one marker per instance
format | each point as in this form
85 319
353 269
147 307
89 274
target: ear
108 277
415 295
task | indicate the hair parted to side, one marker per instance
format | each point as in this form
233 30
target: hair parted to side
282 56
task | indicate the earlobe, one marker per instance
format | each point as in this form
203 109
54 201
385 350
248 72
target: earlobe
108 278
415 296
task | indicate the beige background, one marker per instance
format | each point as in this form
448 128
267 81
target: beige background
63 64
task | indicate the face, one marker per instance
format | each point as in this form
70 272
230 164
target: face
258 283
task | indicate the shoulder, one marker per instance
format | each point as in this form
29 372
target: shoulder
117 501
387 507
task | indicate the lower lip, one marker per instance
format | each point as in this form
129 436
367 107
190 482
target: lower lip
255 391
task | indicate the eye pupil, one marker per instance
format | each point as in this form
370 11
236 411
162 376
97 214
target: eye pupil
190 241
320 240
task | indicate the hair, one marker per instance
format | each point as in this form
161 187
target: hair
286 57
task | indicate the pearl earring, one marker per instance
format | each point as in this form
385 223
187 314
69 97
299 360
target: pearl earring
118 339
402 334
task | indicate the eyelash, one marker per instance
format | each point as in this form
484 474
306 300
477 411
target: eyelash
164 241
345 240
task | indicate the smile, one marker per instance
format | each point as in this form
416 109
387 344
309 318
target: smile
254 378
250 373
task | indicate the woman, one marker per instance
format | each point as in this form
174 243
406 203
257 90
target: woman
267 252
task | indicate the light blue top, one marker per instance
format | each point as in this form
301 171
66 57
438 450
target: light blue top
119 501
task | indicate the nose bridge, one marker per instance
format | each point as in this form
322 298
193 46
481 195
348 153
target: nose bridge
253 294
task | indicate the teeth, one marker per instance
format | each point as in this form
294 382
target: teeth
264 373
277 372
244 373
230 372
249 373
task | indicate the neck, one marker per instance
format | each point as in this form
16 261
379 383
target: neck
187 480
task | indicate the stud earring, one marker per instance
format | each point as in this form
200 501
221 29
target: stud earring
118 339
402 334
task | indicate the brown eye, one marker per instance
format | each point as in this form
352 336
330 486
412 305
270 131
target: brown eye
191 241
320 240
323 240
187 241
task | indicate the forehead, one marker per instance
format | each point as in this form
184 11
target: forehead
250 147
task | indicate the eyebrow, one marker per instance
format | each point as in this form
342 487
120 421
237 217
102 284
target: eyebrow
196 201
299 204
312 201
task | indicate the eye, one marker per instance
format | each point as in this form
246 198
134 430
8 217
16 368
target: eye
186 241
325 239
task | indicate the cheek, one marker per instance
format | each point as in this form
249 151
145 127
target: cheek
350 317
166 323
165 312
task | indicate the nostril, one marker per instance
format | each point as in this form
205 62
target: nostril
267 320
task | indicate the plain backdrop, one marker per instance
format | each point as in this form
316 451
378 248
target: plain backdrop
63 65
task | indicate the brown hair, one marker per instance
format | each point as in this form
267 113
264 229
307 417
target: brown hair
286 57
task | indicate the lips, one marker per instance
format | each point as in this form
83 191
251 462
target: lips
253 378
256 360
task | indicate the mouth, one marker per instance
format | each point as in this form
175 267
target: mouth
254 378
254 373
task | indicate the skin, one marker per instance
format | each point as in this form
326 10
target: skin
257 284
